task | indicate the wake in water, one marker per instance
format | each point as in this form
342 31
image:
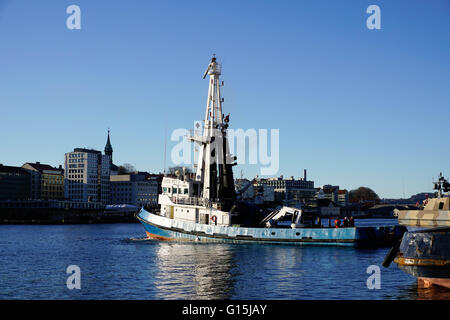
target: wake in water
137 239
140 239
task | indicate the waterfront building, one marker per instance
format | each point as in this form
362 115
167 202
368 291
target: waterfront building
301 190
15 183
35 191
156 178
244 187
138 189
47 182
329 193
86 176
254 191
343 198
264 193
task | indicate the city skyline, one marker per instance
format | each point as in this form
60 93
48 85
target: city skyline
348 101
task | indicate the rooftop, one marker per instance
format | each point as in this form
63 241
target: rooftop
11 169
86 150
41 167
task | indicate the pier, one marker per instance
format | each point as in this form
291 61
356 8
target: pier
63 212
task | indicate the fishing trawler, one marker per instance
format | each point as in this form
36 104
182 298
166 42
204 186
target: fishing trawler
203 205
424 250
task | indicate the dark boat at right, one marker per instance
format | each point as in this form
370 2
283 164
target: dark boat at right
424 250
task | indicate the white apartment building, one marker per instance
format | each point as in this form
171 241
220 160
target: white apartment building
86 176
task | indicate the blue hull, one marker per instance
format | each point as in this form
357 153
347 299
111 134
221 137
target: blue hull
162 228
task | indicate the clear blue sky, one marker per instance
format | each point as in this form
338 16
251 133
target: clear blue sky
356 107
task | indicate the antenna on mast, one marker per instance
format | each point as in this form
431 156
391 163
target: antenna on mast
213 59
206 71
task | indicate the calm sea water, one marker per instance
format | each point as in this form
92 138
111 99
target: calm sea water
114 265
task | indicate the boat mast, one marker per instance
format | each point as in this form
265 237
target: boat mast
442 185
214 167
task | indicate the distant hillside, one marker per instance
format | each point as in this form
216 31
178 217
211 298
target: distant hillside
412 200
363 194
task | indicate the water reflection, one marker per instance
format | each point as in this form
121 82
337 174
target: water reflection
193 271
433 293
254 271
114 268
414 292
267 271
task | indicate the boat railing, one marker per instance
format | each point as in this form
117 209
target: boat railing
191 201
196 201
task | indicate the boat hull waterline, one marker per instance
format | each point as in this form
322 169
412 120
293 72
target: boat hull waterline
162 228
425 255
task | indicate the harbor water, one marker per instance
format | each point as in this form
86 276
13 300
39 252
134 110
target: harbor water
116 263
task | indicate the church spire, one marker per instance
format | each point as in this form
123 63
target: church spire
108 147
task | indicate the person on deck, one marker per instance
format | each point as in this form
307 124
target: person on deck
346 224
337 223
352 222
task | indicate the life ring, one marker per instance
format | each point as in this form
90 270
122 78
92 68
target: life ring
214 219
